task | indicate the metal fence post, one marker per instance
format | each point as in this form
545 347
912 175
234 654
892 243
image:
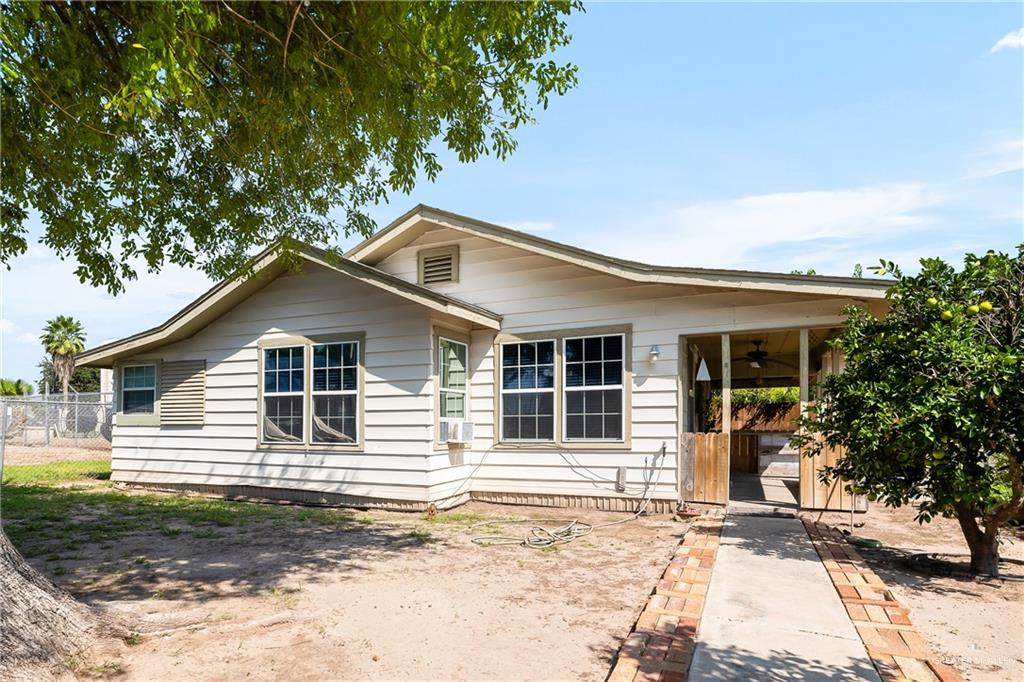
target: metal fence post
76 423
4 408
46 412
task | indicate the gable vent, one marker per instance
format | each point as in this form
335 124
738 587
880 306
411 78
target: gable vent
438 266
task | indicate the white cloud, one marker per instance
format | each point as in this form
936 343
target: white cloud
40 286
6 326
753 231
997 156
1012 41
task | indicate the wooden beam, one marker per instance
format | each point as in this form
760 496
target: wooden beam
805 364
726 414
808 484
726 384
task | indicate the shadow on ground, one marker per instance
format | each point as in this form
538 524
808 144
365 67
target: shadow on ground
737 663
103 544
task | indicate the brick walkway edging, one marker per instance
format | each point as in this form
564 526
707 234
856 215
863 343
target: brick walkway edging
897 649
660 646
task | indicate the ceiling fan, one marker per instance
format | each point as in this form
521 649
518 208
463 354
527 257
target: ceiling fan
758 359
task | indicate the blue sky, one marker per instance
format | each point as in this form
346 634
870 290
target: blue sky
766 137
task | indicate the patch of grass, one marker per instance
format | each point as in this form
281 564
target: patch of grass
550 549
105 669
421 536
38 517
29 474
133 639
457 517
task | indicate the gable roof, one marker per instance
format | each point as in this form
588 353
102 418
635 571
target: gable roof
423 218
264 268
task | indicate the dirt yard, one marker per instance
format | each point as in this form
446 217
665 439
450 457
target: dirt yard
62 452
977 626
219 590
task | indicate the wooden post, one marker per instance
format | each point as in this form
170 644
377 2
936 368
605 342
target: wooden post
727 408
807 482
684 420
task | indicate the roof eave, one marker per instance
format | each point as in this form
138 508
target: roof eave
181 324
380 245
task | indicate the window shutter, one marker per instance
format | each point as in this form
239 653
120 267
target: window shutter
437 266
183 393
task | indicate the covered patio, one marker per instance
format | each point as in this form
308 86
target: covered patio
741 455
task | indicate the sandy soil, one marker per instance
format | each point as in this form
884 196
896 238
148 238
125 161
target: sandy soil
977 626
397 597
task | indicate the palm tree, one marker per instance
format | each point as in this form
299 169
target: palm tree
15 387
63 338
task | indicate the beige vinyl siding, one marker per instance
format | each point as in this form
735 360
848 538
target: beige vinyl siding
535 294
394 462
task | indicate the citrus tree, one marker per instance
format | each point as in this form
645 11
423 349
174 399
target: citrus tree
194 132
930 406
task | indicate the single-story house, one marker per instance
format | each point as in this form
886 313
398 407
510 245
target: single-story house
446 359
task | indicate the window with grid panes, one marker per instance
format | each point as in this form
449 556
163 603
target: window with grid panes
283 396
593 387
528 391
453 358
335 392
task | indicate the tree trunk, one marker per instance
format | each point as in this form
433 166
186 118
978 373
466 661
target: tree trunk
984 545
42 628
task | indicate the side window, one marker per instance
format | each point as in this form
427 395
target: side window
283 396
528 391
335 392
138 389
594 367
453 358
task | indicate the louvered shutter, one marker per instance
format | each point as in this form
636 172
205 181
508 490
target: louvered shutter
183 393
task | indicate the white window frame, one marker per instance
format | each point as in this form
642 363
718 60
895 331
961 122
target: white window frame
566 388
313 393
441 390
284 394
502 391
152 388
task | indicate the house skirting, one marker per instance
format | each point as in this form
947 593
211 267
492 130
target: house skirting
312 497
622 504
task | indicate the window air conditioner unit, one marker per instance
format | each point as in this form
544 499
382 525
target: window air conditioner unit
456 432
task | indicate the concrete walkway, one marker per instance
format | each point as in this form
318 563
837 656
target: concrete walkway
750 492
771 612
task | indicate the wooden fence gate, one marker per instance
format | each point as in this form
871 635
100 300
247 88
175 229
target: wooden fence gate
814 495
704 470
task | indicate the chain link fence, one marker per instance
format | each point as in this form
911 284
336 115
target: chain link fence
46 438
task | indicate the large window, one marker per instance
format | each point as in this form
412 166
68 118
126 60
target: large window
528 391
594 368
453 357
138 389
335 391
284 377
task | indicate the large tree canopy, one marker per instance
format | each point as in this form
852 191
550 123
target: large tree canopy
193 132
930 406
